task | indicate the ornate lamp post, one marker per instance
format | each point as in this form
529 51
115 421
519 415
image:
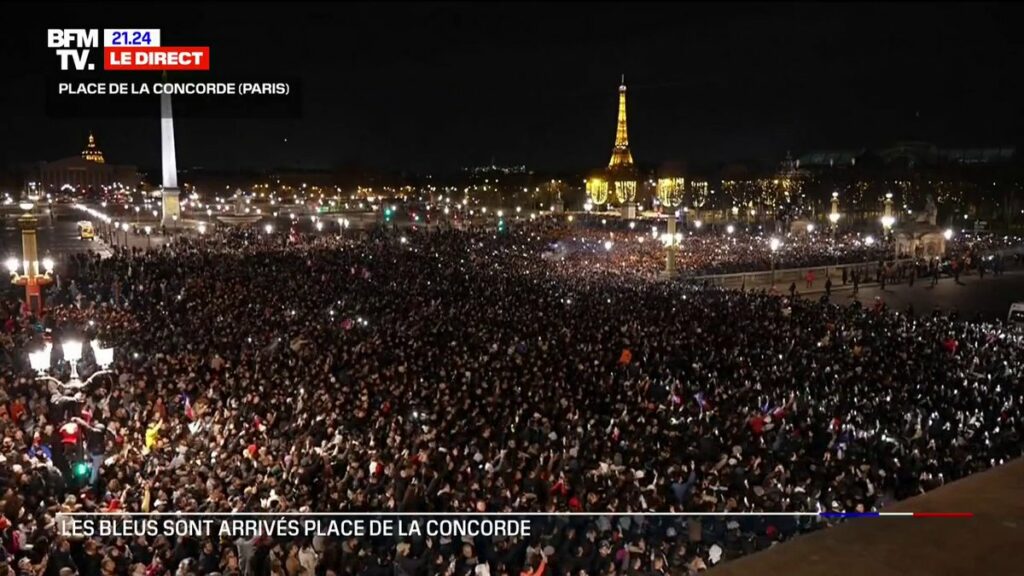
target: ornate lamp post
888 219
40 362
834 215
31 279
670 194
774 244
71 391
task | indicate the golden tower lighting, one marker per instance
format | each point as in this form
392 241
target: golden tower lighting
621 157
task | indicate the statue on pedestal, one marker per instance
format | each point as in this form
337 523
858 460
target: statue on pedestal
930 213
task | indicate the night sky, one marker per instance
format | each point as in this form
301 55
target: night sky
436 87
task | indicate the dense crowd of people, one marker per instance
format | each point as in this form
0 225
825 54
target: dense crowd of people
640 249
469 371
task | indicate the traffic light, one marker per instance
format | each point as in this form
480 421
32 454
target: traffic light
501 224
388 214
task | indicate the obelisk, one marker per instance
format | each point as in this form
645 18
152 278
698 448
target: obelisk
170 204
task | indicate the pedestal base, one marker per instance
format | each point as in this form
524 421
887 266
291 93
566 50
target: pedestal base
628 210
557 207
171 208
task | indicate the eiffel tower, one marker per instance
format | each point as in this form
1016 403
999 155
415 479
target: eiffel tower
621 157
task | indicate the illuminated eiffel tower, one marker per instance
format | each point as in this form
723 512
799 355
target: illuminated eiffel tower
621 157
618 183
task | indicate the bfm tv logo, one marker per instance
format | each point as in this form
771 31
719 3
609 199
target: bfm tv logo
80 38
123 50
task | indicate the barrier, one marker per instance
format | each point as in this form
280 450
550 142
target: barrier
786 276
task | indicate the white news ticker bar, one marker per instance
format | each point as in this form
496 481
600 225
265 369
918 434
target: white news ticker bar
129 37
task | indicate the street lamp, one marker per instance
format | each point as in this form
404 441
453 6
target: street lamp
833 216
40 362
730 229
31 279
149 239
268 228
774 244
948 234
887 222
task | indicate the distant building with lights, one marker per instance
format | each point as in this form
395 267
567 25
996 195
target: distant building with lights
87 171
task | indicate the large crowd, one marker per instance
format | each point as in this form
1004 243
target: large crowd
469 371
638 248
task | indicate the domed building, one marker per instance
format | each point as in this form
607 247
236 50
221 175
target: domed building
88 170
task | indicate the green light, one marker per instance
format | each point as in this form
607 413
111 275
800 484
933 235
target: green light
81 469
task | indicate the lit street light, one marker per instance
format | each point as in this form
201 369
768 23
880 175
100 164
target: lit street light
31 279
40 362
774 244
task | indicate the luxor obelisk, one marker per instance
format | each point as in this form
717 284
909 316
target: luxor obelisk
170 203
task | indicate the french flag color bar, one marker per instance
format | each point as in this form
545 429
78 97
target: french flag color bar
895 514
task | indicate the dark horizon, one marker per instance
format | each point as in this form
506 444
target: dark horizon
433 88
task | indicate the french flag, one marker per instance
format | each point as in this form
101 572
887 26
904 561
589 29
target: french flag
702 403
189 412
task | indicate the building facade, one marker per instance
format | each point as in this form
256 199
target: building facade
89 171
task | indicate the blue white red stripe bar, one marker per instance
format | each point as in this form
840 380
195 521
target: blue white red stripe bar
894 514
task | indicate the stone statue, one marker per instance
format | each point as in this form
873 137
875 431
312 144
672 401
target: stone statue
930 213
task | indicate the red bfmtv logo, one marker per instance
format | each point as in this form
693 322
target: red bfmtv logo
124 49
